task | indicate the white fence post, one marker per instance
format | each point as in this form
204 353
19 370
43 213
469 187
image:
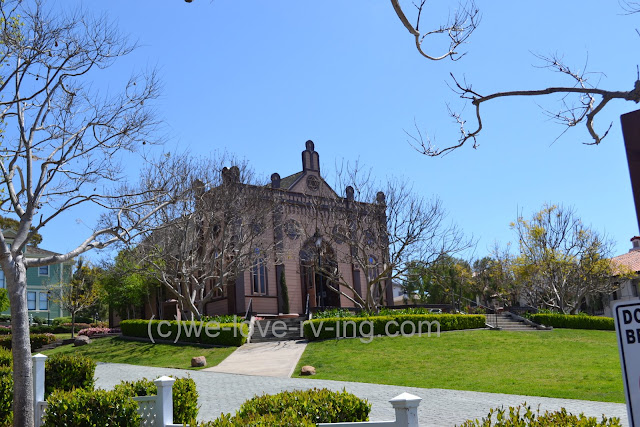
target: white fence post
38 361
164 404
406 407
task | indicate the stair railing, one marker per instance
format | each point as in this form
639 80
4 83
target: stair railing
247 315
491 313
307 310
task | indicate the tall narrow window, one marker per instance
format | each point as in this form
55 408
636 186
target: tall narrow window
2 284
259 277
31 300
44 301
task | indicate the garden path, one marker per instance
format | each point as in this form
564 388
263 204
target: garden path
222 392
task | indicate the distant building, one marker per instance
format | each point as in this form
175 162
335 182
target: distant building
39 279
629 288
303 200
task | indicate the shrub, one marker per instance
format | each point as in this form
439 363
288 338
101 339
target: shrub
37 340
98 331
522 416
89 408
40 320
185 396
5 317
316 405
229 334
582 321
223 318
63 320
5 357
348 327
5 330
68 372
333 313
6 396
288 418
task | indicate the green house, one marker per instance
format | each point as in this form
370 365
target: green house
40 280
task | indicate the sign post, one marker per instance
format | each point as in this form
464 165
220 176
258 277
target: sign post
627 320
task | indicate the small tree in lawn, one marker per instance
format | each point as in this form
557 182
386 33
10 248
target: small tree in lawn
80 293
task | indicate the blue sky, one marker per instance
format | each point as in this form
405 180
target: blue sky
258 78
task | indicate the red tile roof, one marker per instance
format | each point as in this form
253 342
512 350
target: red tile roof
631 260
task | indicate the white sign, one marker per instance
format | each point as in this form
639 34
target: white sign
627 319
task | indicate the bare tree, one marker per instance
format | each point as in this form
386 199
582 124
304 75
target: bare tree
61 147
458 28
580 100
383 233
200 245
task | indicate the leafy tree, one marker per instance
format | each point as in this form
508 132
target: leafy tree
562 262
125 285
445 281
80 293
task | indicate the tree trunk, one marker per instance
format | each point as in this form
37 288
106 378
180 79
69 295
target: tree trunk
16 275
73 324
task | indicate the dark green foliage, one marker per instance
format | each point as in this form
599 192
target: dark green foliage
580 321
523 416
317 329
185 396
5 317
6 396
5 357
229 334
287 418
37 340
4 299
90 408
317 405
79 319
284 292
224 318
67 372
335 313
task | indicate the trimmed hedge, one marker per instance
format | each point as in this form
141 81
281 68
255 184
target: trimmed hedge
37 340
68 372
316 405
61 371
79 319
6 359
579 321
228 334
6 396
350 327
288 418
523 416
185 396
90 408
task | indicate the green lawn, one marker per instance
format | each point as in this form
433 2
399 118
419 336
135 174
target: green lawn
573 364
117 350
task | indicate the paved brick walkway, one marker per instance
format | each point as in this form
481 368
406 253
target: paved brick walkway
220 392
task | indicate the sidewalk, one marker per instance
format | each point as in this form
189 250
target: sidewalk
220 392
269 359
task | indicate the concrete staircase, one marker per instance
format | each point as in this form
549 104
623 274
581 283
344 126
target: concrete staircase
505 322
275 329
